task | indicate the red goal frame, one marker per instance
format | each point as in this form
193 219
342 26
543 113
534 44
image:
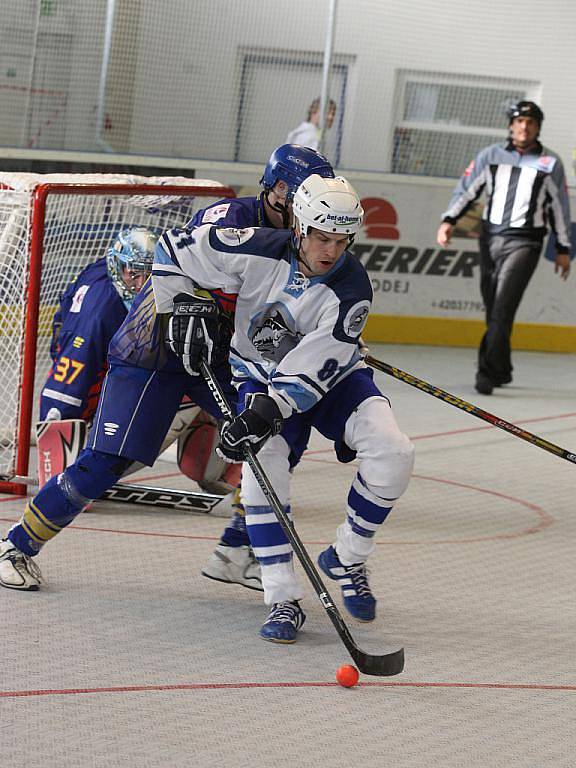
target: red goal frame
17 484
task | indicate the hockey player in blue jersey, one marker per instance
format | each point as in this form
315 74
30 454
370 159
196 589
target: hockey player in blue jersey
142 392
91 310
302 302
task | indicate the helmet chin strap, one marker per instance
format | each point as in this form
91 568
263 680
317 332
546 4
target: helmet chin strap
302 260
296 244
299 255
279 208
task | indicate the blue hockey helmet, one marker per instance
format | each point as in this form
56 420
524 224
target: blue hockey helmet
293 164
131 257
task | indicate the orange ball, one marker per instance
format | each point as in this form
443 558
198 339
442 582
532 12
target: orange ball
347 675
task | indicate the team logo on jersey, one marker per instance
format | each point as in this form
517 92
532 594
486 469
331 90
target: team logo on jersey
232 236
356 319
78 298
299 283
273 337
110 428
546 163
78 341
215 213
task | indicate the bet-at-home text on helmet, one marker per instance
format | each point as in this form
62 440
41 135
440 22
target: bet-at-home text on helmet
292 164
331 205
132 250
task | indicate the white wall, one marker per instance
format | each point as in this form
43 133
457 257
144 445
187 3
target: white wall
528 41
186 88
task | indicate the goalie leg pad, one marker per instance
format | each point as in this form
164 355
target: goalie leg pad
58 445
182 423
198 460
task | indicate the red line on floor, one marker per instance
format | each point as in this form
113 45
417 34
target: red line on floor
319 684
460 431
545 520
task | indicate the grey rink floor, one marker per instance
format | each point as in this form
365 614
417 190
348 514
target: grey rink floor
129 657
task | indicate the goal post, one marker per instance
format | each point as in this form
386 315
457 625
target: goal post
51 227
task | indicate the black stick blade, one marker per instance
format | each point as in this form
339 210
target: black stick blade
384 665
381 666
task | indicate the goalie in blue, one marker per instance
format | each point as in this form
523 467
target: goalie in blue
302 302
91 310
142 392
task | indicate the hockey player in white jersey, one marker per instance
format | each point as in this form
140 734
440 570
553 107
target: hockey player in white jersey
302 302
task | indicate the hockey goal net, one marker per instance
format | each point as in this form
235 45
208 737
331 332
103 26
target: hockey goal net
51 227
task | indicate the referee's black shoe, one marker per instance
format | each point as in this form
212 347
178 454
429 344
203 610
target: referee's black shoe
503 380
483 384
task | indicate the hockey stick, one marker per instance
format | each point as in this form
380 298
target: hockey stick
152 496
385 665
473 410
167 498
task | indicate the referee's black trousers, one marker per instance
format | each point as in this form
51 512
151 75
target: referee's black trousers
506 265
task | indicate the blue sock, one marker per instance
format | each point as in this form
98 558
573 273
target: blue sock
235 533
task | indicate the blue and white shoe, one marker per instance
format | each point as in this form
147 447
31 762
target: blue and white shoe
283 623
358 598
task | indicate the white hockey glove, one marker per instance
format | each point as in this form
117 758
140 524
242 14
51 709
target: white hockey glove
193 329
259 421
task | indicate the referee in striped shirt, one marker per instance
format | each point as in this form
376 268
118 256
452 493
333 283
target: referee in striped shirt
526 194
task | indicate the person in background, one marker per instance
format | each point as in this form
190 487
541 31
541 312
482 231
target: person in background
526 195
308 132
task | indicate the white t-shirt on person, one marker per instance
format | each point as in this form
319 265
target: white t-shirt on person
306 135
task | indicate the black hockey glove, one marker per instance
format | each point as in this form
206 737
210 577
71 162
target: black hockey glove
261 419
193 329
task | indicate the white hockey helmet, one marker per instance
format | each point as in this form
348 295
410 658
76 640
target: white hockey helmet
331 205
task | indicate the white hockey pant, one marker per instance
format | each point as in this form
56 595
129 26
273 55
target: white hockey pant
385 461
268 540
386 458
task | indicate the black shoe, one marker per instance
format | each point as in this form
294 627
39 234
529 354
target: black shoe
503 380
483 384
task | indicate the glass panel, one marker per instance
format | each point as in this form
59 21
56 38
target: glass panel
435 153
463 105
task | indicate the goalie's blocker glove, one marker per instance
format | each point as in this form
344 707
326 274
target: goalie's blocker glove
260 420
193 329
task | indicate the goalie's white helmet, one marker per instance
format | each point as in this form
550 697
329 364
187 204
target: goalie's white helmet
331 205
